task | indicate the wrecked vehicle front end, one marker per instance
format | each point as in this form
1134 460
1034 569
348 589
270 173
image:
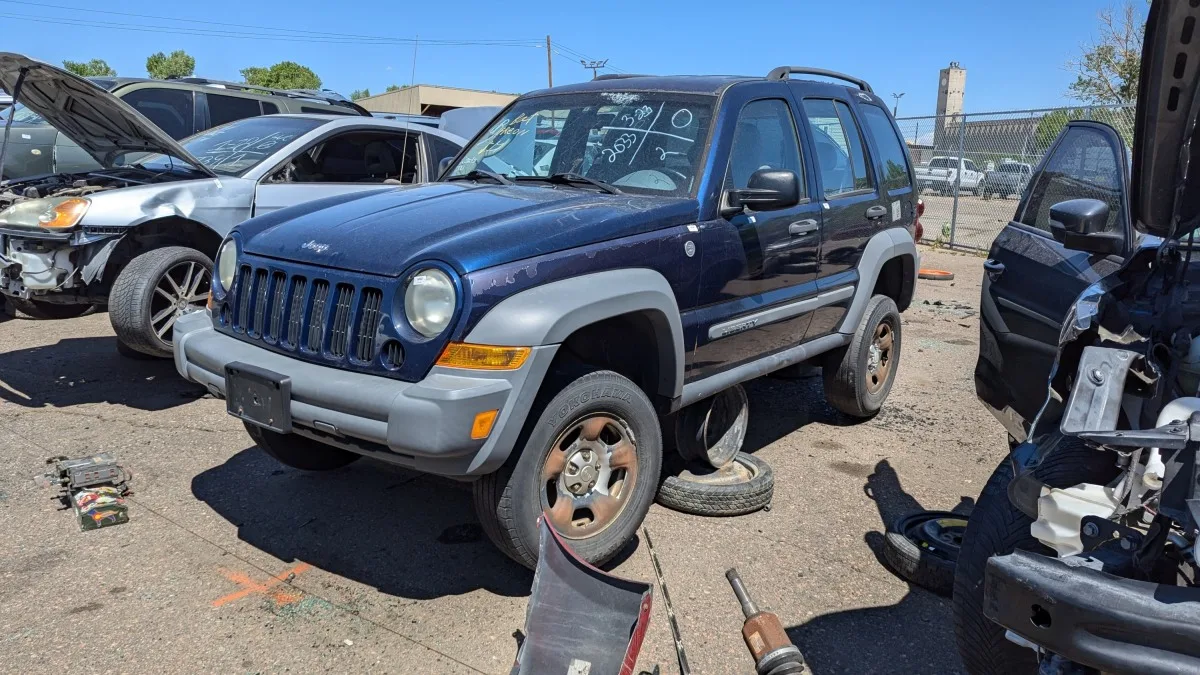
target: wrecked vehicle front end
1112 586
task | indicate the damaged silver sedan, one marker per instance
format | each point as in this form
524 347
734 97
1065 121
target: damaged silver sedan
138 235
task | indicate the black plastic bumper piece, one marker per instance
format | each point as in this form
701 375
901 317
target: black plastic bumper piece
1095 619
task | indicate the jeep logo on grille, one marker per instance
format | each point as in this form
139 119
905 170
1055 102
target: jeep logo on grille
315 246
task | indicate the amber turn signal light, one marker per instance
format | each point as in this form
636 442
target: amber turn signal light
482 357
482 426
64 214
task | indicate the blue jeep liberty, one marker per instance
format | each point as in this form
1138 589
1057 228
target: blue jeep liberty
597 259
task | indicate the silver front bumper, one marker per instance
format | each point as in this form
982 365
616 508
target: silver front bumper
422 425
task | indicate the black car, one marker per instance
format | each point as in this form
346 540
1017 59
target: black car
1080 555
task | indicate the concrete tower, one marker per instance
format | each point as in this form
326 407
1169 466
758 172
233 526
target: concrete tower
952 83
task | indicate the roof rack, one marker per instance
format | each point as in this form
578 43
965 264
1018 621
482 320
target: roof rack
616 76
319 95
782 73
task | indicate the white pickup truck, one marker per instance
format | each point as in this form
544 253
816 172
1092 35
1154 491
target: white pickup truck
941 173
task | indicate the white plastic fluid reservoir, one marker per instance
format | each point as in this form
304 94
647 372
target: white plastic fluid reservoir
1179 410
1061 513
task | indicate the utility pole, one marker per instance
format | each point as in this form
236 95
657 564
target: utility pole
549 64
594 65
896 106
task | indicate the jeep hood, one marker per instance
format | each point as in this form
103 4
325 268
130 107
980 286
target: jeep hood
1165 188
465 225
102 124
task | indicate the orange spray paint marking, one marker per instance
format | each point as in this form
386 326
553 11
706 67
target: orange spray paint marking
268 588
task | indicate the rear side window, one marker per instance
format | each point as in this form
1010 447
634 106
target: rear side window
765 139
222 109
839 147
440 148
892 156
269 108
170 109
1084 165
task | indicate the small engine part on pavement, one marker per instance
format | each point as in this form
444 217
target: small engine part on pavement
94 487
768 642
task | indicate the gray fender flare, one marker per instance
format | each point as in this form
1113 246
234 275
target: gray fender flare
550 313
890 243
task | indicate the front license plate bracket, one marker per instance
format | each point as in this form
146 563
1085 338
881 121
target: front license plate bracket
259 396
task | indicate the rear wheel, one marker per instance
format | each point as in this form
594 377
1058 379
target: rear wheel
153 291
589 460
38 309
859 376
299 452
996 527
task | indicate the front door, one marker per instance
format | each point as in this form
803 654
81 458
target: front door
1031 279
352 161
761 308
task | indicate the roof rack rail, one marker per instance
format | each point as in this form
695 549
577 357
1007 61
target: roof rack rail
782 73
321 95
616 76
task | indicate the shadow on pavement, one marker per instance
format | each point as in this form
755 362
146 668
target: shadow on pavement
75 371
780 406
915 635
404 534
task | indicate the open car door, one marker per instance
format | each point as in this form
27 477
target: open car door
1034 272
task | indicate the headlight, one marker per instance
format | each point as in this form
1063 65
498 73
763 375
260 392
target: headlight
58 213
429 301
227 264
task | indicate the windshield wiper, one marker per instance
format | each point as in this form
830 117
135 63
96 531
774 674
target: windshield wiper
574 179
480 174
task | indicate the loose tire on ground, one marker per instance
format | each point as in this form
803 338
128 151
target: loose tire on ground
299 452
35 309
922 557
136 310
851 384
605 410
703 491
997 527
935 275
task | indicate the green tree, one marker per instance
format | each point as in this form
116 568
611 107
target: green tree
394 87
359 93
1051 124
93 68
1107 70
282 75
163 67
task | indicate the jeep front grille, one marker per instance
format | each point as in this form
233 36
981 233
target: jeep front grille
292 312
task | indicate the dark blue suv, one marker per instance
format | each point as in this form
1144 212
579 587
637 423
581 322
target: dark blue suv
599 258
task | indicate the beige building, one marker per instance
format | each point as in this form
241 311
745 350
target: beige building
952 86
428 99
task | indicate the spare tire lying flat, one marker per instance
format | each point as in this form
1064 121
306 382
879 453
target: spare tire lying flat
923 547
743 486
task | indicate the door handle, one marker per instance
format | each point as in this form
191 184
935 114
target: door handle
802 227
876 212
993 268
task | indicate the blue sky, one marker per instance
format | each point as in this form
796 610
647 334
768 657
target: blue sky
1014 52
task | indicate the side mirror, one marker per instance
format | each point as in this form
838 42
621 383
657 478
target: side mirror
444 164
767 190
1080 225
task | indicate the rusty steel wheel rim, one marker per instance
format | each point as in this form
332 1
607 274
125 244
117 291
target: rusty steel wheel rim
879 356
589 475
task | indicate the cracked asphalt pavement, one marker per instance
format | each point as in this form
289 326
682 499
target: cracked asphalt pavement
232 562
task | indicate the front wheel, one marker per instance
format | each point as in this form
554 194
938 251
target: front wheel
996 527
589 460
155 289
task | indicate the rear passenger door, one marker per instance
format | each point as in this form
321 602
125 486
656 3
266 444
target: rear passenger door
349 161
854 207
1031 279
224 108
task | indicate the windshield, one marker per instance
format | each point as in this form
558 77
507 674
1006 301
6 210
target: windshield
1011 168
943 163
235 148
24 117
647 142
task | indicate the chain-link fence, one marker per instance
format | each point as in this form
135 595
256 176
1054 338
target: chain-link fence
972 168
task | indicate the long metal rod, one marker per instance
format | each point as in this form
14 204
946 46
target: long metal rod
962 137
12 113
749 608
684 668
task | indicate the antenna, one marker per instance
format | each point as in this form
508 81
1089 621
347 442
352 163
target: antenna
595 66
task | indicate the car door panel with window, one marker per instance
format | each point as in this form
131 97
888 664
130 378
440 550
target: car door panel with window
761 307
1031 279
350 161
